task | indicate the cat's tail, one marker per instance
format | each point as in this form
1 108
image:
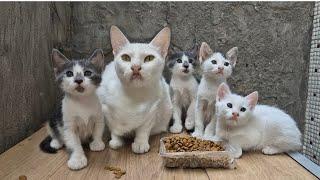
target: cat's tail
45 146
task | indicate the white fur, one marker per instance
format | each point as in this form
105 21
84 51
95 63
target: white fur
184 86
211 79
260 127
140 106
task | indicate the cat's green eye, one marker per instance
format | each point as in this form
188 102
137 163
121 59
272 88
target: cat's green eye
126 57
149 58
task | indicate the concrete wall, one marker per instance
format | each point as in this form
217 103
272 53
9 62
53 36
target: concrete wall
273 40
28 31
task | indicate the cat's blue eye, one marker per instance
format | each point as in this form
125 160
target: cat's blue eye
243 109
179 61
87 73
226 64
190 61
214 62
229 105
69 73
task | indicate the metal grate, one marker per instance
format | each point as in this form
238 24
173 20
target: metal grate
311 145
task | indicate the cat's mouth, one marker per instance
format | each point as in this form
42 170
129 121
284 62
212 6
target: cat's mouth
219 72
136 76
80 89
185 71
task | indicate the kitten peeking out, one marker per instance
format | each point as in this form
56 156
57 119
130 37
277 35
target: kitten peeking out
249 126
80 117
184 86
216 68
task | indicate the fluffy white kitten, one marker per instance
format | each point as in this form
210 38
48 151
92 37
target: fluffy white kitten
80 116
184 86
249 126
215 69
134 94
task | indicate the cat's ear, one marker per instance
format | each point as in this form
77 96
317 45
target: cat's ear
58 59
223 91
232 56
162 41
118 39
205 52
252 99
97 58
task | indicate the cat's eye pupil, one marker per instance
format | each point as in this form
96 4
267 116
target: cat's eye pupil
214 62
190 60
148 58
87 73
229 105
243 109
226 64
126 57
69 73
179 60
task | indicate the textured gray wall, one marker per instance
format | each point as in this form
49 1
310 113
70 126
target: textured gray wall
28 31
273 39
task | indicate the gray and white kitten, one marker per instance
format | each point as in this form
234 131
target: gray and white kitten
183 64
80 117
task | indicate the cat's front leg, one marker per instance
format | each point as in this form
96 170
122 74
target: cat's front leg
210 130
97 144
189 124
199 126
116 141
77 158
141 140
177 124
237 150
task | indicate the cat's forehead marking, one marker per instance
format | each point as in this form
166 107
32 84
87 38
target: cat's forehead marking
77 68
218 57
184 58
236 100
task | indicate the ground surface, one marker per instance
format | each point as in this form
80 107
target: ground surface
26 159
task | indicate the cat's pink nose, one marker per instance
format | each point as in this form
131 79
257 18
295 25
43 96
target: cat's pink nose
235 114
135 68
220 68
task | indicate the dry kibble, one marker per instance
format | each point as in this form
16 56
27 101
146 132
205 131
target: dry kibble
189 144
22 177
116 171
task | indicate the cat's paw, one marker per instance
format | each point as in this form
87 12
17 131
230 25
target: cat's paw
140 148
270 150
189 124
115 144
55 144
77 162
238 153
176 128
197 134
212 138
97 145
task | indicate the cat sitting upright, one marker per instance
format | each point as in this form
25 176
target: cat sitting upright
184 85
215 70
134 95
80 117
247 125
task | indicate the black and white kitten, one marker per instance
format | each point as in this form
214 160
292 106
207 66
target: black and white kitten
183 64
80 117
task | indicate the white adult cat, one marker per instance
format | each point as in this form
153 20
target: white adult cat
80 115
215 69
249 126
184 85
134 94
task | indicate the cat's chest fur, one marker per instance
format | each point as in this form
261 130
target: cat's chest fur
187 89
83 109
207 90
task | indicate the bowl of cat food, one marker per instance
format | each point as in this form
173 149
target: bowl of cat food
185 151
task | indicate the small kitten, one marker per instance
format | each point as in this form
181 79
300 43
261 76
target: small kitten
80 117
135 97
215 69
247 125
184 85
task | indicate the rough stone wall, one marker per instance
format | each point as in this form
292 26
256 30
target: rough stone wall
273 39
28 31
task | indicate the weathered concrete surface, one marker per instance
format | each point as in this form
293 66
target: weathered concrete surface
28 31
273 39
